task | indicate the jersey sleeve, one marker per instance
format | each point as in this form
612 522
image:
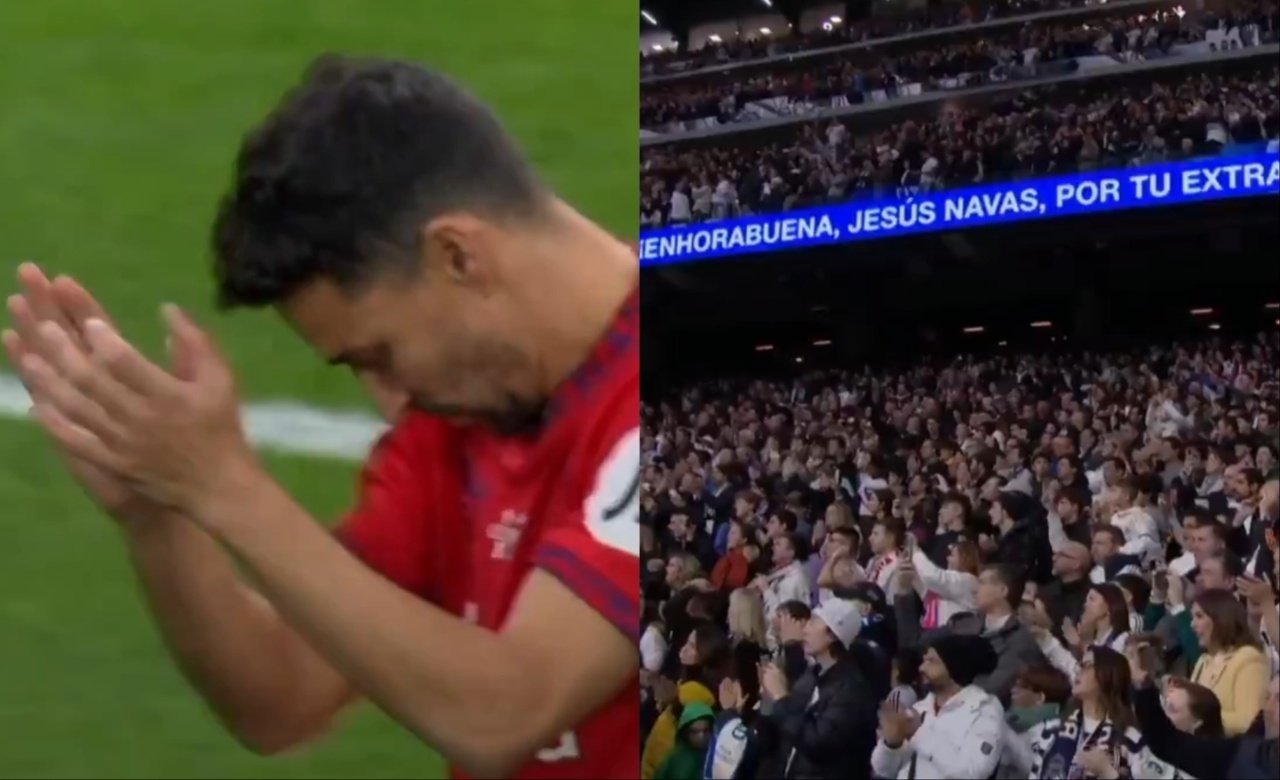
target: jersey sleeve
594 550
389 527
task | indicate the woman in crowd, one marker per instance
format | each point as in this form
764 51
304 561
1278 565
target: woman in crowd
1233 665
1192 708
1137 594
1106 617
1096 738
746 618
703 659
1245 757
1104 611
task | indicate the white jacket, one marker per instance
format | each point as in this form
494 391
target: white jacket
957 590
1141 537
963 740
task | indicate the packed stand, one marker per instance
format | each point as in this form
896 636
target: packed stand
939 16
1044 131
1034 567
1001 55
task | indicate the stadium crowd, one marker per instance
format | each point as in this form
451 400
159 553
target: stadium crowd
1042 566
935 16
1048 130
1001 55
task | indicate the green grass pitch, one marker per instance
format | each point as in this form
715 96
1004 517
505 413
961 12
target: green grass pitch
118 123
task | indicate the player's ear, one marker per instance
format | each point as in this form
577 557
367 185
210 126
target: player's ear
457 249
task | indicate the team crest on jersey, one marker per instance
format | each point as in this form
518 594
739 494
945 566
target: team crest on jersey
505 534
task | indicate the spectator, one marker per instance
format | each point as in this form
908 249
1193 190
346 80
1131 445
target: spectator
826 722
999 589
887 539
1097 737
692 738
953 525
946 592
735 751
702 660
746 618
1238 757
956 731
1038 697
1193 708
1064 597
1233 665
788 581
1109 559
733 570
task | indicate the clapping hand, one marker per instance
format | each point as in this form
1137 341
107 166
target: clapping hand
63 303
897 727
172 435
1257 591
773 681
1097 762
1070 633
730 694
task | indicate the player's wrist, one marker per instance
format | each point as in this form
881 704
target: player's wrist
216 504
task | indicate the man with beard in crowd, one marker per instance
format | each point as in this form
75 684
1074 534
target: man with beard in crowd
957 730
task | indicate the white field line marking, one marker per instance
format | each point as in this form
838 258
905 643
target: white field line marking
280 426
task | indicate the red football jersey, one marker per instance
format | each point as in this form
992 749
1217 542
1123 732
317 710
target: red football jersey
460 516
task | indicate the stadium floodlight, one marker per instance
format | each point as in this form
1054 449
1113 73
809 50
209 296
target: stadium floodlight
1201 312
822 343
1042 324
975 329
764 348
766 31
648 17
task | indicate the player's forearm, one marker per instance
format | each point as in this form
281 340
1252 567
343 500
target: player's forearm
435 673
258 676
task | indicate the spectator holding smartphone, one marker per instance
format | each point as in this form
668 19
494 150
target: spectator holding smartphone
1247 757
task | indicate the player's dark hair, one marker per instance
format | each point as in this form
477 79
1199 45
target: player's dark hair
337 182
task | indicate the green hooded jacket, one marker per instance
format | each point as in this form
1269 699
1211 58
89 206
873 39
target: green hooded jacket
685 761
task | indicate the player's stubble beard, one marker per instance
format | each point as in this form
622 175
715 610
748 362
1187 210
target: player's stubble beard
490 363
